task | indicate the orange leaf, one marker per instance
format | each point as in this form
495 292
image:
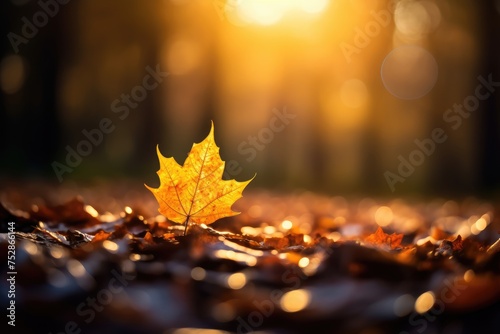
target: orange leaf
148 238
381 238
195 192
457 244
101 236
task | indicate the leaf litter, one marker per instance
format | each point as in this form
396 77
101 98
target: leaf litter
343 273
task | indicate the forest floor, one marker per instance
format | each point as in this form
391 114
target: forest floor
98 259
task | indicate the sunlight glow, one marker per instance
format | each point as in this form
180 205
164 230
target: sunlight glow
312 6
183 56
261 11
354 93
269 12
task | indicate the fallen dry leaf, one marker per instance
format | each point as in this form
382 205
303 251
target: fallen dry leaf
457 244
100 236
382 238
196 192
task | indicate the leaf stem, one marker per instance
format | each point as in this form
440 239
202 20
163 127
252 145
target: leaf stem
186 225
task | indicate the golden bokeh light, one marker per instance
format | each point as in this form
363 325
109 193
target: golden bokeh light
303 262
269 229
479 226
249 230
414 19
31 248
383 216
110 246
91 211
335 236
409 72
286 224
411 18
76 268
469 275
237 281
247 250
57 252
236 256
425 302
134 257
295 300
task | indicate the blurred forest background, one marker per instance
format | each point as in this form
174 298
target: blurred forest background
357 104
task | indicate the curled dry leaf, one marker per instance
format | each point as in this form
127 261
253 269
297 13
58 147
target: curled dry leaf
457 244
381 238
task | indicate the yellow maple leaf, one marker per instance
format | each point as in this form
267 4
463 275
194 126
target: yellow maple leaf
196 192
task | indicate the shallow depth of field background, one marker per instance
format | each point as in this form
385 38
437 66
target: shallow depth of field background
363 78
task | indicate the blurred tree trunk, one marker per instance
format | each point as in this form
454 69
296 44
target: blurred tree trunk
488 143
29 117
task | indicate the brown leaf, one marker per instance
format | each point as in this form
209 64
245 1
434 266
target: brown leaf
457 244
71 213
101 236
23 223
381 238
276 243
148 238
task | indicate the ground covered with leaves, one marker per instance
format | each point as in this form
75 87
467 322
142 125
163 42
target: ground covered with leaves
101 259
